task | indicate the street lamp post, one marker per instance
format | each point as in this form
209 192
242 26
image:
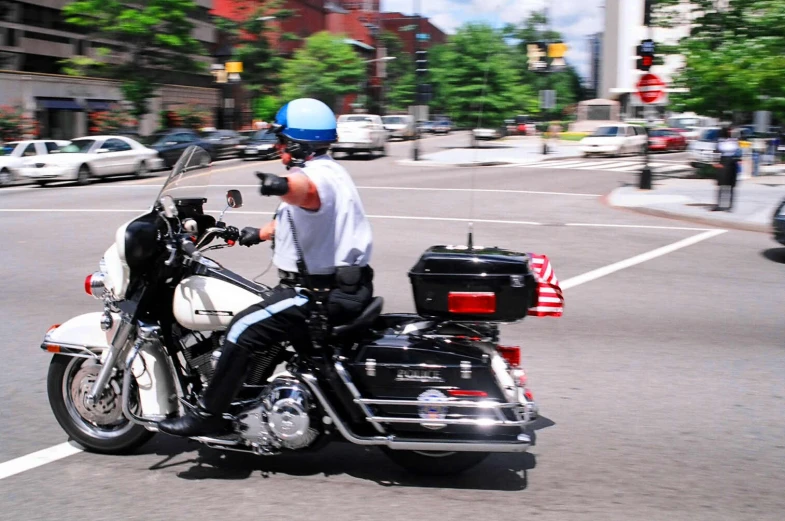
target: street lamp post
222 55
382 59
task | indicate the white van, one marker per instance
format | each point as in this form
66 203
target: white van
400 126
692 123
360 133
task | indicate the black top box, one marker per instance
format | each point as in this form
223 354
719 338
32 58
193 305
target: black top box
465 284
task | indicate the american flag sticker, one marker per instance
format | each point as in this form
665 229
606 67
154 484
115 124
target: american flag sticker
549 296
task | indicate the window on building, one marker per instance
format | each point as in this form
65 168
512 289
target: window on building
47 37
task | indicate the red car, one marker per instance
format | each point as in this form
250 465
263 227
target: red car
666 139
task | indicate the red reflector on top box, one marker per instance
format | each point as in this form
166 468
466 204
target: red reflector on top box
473 284
466 303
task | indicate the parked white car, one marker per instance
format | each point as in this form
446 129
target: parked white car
94 156
360 133
15 153
614 140
400 126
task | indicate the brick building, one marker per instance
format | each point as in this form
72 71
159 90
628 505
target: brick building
360 20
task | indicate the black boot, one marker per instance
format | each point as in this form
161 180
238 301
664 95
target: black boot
207 418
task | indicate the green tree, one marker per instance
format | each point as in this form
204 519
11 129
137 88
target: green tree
400 81
325 68
733 56
146 40
262 63
567 83
475 79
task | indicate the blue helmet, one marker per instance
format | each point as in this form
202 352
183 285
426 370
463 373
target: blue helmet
307 121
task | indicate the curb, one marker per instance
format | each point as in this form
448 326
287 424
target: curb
705 221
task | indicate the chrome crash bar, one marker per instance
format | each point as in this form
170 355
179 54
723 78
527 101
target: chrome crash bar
520 444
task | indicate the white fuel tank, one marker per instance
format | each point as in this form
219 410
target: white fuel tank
205 303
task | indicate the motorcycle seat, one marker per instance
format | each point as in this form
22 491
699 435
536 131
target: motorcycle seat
364 321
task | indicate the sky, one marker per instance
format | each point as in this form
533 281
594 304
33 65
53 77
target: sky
574 19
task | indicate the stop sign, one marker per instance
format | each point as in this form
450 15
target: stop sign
650 88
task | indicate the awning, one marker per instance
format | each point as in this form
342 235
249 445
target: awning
99 105
58 103
359 44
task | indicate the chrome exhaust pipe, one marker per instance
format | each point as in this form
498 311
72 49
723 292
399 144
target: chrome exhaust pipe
522 443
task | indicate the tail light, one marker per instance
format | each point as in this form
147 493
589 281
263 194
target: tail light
461 393
471 303
94 284
510 353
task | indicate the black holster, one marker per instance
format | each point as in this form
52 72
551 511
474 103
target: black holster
352 292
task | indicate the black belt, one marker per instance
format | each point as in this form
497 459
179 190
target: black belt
318 281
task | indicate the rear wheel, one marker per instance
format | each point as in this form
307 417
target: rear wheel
83 176
141 170
99 427
430 463
6 178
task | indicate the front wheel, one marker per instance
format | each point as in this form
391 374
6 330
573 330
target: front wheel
6 177
99 427
430 463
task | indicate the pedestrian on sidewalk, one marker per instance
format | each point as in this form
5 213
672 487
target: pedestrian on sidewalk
727 168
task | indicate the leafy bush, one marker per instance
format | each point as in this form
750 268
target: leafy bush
190 116
15 125
112 120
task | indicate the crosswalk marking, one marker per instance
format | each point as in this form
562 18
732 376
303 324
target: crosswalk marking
616 165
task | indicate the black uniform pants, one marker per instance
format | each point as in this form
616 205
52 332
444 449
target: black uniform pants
283 311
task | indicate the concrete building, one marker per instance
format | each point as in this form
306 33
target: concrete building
34 37
595 68
623 32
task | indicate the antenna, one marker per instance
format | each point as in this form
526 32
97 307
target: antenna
470 242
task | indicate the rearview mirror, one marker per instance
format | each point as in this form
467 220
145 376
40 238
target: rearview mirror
169 207
234 199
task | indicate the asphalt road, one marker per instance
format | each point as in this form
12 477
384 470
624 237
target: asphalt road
664 381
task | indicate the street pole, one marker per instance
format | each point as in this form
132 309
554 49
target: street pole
646 175
416 145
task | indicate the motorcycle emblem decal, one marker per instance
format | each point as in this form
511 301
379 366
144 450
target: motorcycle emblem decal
214 313
418 375
432 412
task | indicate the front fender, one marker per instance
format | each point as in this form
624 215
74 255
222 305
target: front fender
79 336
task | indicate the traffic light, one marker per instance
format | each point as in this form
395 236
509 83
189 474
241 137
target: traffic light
424 93
645 53
421 64
537 53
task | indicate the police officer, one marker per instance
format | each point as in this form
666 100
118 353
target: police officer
320 230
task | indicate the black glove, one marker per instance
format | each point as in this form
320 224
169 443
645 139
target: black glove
249 236
273 184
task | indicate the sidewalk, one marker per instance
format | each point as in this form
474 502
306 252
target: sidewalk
755 200
510 150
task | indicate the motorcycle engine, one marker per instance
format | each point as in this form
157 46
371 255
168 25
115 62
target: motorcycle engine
284 419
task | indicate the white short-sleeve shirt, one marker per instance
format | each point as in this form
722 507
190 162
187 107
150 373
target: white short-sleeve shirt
338 234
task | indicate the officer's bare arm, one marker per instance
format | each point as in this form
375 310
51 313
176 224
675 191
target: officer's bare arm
267 231
302 192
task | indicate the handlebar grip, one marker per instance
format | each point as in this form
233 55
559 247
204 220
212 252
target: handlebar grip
188 247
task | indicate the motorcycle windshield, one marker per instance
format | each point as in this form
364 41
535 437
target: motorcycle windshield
190 176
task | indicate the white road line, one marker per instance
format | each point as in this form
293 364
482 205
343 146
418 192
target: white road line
641 226
633 166
63 450
371 216
37 459
430 189
605 166
638 259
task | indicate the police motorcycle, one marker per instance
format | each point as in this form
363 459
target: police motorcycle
434 389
